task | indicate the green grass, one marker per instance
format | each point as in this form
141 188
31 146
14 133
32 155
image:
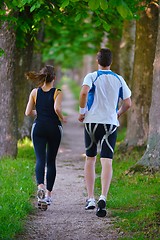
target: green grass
17 188
134 199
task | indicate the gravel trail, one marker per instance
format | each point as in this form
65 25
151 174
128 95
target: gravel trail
66 218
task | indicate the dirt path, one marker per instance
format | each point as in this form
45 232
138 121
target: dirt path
66 218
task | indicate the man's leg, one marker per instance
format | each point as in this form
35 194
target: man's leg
89 169
106 175
89 174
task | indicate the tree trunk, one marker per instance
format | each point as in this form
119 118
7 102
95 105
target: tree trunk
146 35
151 157
22 86
114 44
127 48
8 124
26 60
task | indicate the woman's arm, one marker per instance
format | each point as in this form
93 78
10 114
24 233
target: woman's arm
58 106
30 111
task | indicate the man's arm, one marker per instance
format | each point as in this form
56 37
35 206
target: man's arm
82 101
126 104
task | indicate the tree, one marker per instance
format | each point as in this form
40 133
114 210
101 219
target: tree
127 48
151 157
146 35
13 16
8 121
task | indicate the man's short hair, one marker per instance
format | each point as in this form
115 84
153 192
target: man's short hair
104 57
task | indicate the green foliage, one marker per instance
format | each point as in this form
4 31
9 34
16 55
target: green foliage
70 28
103 4
133 198
65 3
93 4
1 52
72 40
17 187
89 18
123 9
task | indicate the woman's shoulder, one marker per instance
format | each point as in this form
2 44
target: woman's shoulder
34 90
57 89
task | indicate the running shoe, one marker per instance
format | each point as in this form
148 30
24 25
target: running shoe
101 208
42 204
41 193
48 200
90 204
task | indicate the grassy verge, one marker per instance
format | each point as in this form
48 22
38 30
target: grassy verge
17 186
133 198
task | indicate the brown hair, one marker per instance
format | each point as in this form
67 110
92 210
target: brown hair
104 57
46 74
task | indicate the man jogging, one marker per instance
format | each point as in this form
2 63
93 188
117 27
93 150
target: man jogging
100 122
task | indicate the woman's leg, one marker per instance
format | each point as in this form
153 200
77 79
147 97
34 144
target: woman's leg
39 144
40 151
52 149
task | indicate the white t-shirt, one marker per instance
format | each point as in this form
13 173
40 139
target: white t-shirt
106 97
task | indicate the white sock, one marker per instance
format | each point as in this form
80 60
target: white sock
102 197
91 199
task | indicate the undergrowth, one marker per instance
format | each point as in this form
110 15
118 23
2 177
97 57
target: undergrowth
17 187
133 198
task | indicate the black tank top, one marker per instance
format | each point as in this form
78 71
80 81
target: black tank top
45 107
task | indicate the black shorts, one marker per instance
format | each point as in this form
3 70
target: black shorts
105 134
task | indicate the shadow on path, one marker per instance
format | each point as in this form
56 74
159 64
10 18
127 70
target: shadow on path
66 218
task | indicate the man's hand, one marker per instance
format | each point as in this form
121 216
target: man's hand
81 117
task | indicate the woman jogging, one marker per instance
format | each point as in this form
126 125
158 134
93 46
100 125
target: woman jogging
45 104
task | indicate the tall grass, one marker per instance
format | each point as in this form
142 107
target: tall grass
134 199
17 187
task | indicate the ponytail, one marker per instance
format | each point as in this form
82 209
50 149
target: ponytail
46 74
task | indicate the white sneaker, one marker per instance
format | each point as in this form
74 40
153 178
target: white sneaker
91 204
42 204
41 194
48 200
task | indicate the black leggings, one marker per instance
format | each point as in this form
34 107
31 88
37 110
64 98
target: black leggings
46 140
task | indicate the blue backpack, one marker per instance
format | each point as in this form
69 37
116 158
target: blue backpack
92 90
